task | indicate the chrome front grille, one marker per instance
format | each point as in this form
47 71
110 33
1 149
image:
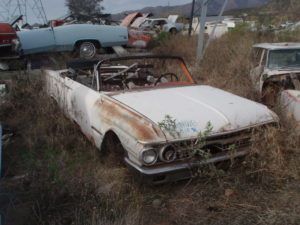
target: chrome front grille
211 148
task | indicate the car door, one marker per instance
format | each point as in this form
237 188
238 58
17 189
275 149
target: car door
37 40
80 104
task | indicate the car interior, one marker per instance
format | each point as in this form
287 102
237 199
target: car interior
129 74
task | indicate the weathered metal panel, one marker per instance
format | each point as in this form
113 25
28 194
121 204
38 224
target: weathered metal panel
278 46
97 113
138 21
173 18
129 19
290 101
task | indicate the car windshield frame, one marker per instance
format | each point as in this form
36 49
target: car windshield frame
282 59
188 77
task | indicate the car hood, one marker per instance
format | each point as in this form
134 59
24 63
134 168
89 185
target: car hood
194 107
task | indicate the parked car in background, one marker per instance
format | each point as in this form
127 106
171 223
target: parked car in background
277 75
149 112
163 24
85 38
8 37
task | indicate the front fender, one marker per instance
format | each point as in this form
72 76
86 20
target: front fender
133 129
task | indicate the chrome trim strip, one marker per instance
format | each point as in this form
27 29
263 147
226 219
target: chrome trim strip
173 168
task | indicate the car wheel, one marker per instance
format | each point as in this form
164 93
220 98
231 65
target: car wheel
87 50
173 31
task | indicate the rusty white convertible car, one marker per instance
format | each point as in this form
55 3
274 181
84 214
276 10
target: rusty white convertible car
121 105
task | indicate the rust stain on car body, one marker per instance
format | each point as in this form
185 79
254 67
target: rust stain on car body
116 114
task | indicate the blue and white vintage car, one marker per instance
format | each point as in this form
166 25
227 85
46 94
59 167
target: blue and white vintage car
86 38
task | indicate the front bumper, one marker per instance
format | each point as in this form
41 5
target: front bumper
179 171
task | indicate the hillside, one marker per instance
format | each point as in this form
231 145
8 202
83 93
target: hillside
275 12
214 8
283 6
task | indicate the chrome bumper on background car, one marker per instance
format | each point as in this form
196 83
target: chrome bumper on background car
179 171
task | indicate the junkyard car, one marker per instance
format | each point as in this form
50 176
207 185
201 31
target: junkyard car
7 34
8 38
163 24
277 75
86 38
151 111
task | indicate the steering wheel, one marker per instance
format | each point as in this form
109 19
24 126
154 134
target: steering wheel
165 75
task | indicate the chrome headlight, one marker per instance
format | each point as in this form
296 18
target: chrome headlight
149 156
167 154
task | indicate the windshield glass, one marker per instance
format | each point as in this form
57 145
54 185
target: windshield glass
127 74
284 59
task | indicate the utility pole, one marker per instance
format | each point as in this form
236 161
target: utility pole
219 20
202 30
191 18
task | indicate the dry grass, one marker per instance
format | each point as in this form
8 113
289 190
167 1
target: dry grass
68 183
228 60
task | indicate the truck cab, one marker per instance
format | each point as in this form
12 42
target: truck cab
277 69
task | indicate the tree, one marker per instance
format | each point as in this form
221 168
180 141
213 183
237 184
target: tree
84 7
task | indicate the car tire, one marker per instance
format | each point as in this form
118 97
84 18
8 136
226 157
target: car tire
87 50
173 31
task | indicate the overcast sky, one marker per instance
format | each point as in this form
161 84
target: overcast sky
56 8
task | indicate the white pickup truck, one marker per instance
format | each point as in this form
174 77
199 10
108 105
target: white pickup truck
277 75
